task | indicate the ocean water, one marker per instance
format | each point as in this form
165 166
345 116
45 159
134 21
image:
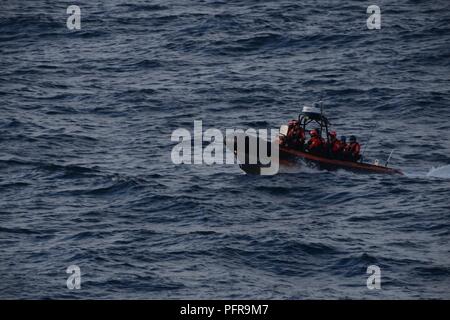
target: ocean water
86 176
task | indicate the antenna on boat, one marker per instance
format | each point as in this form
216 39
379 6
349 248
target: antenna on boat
389 158
321 119
368 141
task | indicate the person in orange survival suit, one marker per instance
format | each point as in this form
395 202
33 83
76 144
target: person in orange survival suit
335 145
316 143
296 135
353 149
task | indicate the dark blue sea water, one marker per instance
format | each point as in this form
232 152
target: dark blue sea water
86 176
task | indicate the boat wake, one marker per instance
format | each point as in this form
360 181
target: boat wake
298 168
441 172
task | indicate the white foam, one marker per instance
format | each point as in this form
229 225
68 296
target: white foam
440 172
298 168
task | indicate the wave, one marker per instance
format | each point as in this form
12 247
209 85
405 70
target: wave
147 64
143 7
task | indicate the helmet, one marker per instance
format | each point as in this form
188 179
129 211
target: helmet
313 133
343 138
352 139
333 134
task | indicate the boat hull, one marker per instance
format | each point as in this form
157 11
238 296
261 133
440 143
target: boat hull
290 156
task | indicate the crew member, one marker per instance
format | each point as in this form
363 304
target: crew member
341 152
296 134
316 143
353 149
335 145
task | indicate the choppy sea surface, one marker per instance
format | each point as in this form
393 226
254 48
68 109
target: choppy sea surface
86 176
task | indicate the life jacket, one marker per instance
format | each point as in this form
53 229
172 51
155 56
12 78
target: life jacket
336 146
296 134
315 144
353 150
300 133
343 147
291 127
